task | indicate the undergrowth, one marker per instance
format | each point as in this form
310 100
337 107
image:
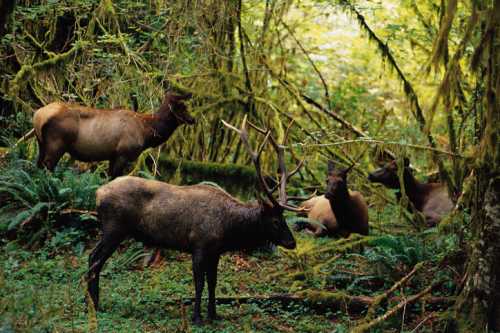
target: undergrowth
47 236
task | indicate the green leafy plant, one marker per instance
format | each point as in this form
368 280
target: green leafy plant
35 198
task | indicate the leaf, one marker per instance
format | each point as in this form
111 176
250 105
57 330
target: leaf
24 215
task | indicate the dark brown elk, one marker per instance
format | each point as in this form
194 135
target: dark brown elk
117 135
431 199
338 212
199 219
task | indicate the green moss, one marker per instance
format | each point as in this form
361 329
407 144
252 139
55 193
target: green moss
236 179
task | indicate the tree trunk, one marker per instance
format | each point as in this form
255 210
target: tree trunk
6 8
478 306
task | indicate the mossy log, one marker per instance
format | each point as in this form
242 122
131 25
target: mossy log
236 179
320 301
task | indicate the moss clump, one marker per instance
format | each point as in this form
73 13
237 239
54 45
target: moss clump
236 179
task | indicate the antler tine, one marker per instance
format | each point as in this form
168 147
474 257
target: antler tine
297 168
295 209
258 129
255 156
284 175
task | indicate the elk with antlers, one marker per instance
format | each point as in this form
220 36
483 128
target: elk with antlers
117 135
200 219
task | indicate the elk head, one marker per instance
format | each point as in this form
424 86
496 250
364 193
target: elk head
388 174
336 182
175 104
272 208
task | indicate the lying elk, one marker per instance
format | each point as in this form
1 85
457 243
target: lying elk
431 199
340 211
199 219
117 135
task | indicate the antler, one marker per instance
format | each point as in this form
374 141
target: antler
255 155
280 150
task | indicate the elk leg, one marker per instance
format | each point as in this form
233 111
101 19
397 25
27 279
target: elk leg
117 166
199 271
212 283
41 154
52 154
103 250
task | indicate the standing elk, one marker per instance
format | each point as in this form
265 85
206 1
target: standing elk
338 212
200 219
431 199
117 135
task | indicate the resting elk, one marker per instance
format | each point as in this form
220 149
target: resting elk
200 219
338 212
117 135
431 199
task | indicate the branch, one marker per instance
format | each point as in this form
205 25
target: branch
377 300
26 70
412 299
381 142
325 86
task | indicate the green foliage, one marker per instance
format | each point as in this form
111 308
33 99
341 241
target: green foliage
394 251
37 198
237 179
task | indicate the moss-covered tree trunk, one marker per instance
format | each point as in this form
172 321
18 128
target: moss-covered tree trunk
478 306
6 8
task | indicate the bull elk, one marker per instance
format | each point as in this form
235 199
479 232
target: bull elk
117 135
340 211
431 199
200 219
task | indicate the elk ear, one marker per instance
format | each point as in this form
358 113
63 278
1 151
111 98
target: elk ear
331 166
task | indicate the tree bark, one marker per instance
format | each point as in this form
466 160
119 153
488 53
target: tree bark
6 8
478 307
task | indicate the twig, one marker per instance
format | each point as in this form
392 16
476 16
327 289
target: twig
325 86
381 142
25 137
367 326
433 314
78 211
378 299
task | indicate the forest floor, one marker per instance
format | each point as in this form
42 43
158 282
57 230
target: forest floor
43 290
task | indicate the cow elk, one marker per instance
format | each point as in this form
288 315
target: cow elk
338 212
117 135
431 199
199 219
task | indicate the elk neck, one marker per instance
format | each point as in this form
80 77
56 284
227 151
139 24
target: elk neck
415 191
340 203
159 126
245 229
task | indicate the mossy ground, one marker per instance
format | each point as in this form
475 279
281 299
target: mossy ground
42 292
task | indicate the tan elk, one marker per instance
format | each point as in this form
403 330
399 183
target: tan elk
338 212
118 135
431 199
200 219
